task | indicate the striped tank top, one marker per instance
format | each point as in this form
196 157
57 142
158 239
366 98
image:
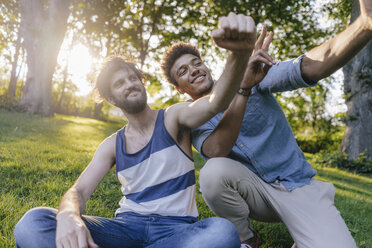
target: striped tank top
159 178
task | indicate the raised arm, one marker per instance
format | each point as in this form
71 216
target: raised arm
71 229
322 61
220 142
237 33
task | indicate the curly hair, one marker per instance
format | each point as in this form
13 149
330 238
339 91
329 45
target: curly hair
111 65
172 54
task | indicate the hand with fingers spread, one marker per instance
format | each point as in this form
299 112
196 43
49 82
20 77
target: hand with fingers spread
72 232
260 61
236 33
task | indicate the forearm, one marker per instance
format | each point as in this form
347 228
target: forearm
220 142
72 202
228 84
325 59
71 229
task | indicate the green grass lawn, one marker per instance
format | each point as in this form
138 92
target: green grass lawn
40 158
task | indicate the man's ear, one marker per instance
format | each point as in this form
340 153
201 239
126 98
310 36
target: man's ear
179 89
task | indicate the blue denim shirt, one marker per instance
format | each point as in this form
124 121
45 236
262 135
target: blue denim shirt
266 143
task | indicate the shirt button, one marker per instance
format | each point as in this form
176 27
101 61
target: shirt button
241 145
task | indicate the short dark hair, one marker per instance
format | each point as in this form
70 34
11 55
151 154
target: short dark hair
111 65
172 54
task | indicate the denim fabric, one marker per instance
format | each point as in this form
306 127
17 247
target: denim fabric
37 228
266 143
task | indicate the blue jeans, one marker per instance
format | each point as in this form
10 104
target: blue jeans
37 228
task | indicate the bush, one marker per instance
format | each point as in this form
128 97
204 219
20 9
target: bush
310 145
342 161
10 104
320 142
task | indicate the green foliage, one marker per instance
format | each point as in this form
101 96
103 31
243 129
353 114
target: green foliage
9 104
327 139
339 11
314 129
9 20
40 158
342 161
144 29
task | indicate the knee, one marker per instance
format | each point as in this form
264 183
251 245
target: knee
32 224
214 174
225 233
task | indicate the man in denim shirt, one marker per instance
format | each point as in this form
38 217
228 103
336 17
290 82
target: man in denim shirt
255 168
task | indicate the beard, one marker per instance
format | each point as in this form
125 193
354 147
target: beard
133 106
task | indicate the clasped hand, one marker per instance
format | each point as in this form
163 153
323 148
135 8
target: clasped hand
236 33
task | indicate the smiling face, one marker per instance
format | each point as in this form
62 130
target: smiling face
127 91
192 76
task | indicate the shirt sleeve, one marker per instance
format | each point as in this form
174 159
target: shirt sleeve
199 135
284 76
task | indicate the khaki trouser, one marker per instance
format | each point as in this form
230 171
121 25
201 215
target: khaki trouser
234 192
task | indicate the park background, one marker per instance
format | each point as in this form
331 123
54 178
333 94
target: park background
50 126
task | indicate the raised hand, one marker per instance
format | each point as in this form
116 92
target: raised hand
72 232
236 33
260 61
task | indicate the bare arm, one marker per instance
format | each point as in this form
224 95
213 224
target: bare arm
220 142
71 228
325 59
192 115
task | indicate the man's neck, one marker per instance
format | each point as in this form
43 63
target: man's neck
140 122
139 130
194 98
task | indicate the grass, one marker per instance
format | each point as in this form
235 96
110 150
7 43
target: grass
40 158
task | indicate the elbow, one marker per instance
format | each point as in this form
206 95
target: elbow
312 71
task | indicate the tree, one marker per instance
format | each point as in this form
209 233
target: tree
145 28
10 37
13 74
43 27
358 93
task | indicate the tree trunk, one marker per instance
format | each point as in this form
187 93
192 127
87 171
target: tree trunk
43 30
13 74
58 109
358 91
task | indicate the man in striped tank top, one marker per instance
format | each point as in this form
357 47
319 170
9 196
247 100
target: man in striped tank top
153 160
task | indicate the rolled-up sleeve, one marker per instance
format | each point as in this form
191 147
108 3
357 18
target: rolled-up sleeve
284 76
200 134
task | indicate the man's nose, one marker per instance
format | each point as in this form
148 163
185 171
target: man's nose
194 71
129 83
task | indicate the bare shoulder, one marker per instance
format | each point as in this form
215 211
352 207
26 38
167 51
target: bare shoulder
107 148
110 140
171 114
172 117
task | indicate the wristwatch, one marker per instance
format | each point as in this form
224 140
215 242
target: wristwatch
244 92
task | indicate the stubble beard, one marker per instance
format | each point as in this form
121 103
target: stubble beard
133 106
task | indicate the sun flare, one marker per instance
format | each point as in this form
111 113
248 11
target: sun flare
79 65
